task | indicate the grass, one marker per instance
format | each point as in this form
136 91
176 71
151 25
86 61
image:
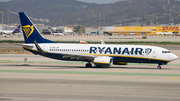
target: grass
13 51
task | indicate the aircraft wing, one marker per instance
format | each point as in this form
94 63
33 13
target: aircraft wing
79 56
66 55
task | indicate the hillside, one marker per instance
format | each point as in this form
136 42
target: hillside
131 12
47 9
72 12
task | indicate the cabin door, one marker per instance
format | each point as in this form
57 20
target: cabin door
154 53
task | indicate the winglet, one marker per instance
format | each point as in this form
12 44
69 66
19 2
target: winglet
37 46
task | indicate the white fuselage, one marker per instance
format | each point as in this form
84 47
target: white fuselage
6 31
119 53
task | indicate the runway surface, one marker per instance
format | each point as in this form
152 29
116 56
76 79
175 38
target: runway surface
43 79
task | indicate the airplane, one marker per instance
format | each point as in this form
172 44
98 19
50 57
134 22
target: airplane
17 30
11 31
104 55
57 34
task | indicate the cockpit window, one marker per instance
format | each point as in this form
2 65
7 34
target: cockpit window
166 52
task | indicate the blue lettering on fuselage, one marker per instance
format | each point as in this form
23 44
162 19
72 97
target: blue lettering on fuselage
138 50
93 50
101 49
108 50
115 50
132 51
125 51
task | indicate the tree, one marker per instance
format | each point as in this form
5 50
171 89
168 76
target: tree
77 29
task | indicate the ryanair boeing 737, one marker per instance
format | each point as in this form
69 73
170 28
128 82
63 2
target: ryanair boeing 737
102 55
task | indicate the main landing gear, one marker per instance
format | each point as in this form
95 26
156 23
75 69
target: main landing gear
159 67
89 65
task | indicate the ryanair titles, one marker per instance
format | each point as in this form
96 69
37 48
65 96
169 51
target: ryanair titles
115 50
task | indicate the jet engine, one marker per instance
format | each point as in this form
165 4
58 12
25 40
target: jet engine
103 61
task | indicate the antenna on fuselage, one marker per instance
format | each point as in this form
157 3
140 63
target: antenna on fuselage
102 42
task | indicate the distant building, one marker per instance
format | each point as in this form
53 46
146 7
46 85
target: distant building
50 30
154 30
135 30
99 31
68 30
91 31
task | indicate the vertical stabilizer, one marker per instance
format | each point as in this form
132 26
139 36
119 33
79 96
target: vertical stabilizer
30 32
17 30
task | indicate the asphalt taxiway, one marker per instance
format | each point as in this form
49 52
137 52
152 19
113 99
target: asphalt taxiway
43 79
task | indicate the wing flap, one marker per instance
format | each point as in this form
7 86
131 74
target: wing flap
78 56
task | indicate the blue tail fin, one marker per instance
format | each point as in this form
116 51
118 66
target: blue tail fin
30 32
17 30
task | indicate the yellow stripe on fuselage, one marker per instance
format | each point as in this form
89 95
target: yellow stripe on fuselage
127 56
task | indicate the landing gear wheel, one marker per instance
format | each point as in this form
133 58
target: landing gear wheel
158 67
89 65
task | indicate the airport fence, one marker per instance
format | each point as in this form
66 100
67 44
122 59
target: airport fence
121 35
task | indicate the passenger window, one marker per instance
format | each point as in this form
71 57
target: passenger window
166 52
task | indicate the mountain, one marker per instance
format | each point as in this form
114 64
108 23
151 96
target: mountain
47 9
72 12
130 12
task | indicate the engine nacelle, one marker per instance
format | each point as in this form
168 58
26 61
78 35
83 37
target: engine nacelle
103 61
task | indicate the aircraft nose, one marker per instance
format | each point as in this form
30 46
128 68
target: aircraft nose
173 57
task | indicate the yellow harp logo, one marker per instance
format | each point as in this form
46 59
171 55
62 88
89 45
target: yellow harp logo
28 30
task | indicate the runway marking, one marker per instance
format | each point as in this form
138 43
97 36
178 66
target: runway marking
42 99
67 75
174 78
91 73
32 69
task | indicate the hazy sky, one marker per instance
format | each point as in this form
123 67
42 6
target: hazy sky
4 0
94 1
91 1
100 1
